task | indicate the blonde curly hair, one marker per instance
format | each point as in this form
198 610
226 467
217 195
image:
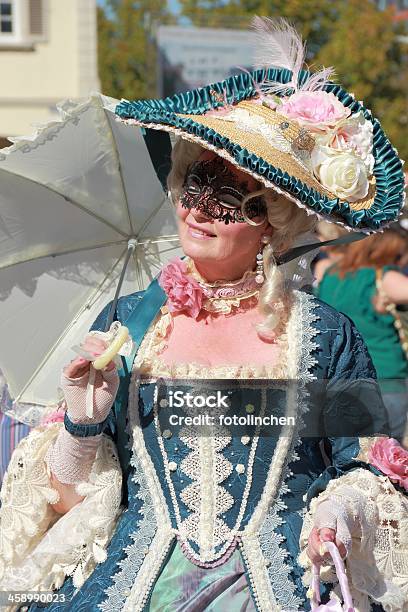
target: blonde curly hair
288 222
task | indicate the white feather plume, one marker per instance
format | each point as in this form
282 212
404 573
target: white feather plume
318 80
281 46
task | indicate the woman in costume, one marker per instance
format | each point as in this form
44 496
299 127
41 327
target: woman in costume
151 515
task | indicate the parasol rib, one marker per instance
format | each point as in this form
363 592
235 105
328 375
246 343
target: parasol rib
168 238
152 215
115 149
68 199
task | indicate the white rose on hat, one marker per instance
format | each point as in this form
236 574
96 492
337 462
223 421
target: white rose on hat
342 172
355 133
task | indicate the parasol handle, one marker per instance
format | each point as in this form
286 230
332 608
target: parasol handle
112 350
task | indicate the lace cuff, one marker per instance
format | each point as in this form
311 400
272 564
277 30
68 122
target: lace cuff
377 564
38 547
70 459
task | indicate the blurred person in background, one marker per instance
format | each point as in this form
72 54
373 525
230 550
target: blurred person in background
362 280
327 255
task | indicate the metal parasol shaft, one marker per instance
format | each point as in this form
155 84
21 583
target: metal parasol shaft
132 243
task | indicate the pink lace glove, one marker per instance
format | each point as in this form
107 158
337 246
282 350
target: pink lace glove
71 458
332 523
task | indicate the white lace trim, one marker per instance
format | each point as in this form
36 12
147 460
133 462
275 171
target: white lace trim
26 496
378 561
275 572
135 552
257 571
152 366
142 555
149 571
40 548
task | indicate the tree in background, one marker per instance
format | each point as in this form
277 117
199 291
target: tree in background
312 17
369 61
352 35
127 54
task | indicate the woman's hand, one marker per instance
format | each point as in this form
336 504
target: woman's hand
74 383
314 546
80 366
331 524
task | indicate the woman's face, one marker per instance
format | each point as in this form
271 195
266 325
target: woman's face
219 250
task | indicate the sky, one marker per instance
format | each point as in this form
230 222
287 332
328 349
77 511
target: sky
173 5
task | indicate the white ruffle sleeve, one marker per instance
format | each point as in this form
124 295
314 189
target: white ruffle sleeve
377 566
39 548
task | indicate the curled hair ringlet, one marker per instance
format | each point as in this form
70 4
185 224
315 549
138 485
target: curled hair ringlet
287 220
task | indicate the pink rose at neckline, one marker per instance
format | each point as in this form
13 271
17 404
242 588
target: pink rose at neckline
391 459
183 292
316 110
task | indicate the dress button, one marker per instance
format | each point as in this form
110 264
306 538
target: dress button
250 408
240 468
245 439
167 433
172 466
163 403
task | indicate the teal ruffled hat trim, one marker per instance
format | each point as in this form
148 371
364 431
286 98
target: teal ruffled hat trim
388 170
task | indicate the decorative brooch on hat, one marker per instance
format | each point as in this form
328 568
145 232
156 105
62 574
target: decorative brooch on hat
292 130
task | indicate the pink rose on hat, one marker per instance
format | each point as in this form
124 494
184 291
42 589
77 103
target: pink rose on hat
315 110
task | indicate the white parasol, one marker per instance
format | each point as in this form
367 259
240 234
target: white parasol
77 200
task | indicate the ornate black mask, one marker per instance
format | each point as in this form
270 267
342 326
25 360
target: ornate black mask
214 190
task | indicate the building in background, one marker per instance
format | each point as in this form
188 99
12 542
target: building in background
192 57
400 6
48 52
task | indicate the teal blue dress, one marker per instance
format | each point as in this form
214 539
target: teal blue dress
175 568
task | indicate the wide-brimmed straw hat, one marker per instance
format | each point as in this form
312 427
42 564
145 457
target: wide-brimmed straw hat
293 130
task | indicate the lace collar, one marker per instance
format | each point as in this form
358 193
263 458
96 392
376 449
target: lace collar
189 292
